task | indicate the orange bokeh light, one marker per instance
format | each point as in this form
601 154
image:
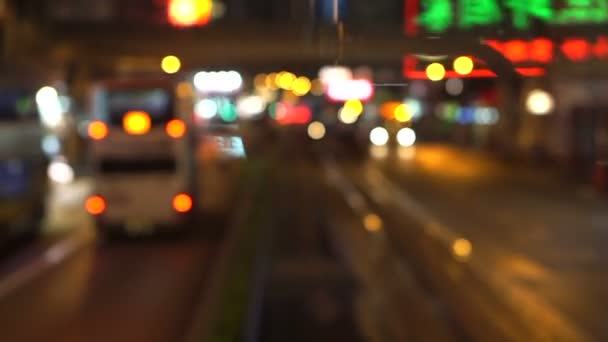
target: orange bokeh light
95 205
175 128
97 130
186 13
182 203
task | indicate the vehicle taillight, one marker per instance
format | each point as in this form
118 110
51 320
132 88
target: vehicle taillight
95 205
136 122
97 130
182 203
175 128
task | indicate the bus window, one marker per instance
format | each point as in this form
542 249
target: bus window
158 103
115 166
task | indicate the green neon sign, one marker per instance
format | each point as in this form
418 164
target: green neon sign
439 15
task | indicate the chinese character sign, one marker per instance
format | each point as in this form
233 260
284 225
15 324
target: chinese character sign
439 16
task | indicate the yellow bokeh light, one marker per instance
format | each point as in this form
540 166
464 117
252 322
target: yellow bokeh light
171 64
462 249
136 122
260 81
403 113
301 86
435 72
372 222
347 116
354 106
463 65
285 80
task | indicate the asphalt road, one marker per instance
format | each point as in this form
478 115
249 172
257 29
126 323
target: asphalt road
537 267
80 290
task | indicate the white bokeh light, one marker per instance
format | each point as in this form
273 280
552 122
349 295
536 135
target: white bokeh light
539 102
379 136
406 137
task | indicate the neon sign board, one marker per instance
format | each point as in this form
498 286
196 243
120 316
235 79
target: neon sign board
530 57
439 16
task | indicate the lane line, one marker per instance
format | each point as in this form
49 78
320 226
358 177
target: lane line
52 256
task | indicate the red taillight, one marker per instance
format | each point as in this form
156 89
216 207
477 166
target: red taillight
175 128
95 205
182 203
97 130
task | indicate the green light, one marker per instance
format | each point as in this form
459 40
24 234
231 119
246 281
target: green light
479 13
522 10
228 111
438 15
583 11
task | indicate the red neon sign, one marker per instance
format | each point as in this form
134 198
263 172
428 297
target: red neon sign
530 57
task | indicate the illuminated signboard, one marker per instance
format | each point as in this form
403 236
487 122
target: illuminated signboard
439 16
530 57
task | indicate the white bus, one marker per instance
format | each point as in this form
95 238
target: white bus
141 157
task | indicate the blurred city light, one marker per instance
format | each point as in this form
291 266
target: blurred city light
539 102
287 114
415 108
285 80
136 123
97 130
205 109
379 136
350 89
250 106
316 130
301 86
486 115
387 109
334 73
435 72
182 203
51 145
95 205
372 222
463 65
186 13
347 116
454 86
170 64
402 113
175 128
49 107
462 249
355 106
223 82
406 137
59 171
227 111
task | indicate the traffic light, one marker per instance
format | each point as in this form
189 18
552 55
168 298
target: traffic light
187 13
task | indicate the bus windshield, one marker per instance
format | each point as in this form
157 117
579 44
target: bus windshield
157 102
